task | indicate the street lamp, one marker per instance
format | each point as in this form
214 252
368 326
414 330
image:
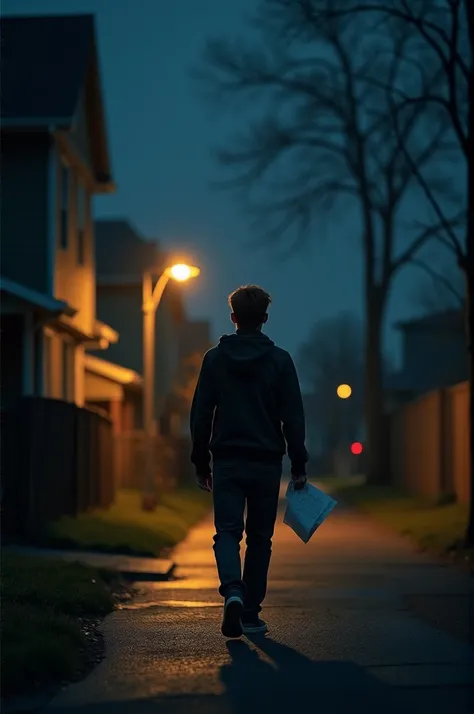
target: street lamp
151 300
344 391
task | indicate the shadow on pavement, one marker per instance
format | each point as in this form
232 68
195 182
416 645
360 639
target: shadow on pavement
287 681
272 678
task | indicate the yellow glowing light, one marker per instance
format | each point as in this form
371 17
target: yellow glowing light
182 272
344 391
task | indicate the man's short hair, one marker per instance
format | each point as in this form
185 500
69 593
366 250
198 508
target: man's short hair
249 304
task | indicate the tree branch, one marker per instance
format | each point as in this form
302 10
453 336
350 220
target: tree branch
267 142
329 103
440 279
414 168
423 25
429 232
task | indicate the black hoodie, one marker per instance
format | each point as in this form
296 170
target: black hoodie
247 404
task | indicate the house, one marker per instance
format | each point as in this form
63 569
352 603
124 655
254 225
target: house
54 161
434 354
116 390
56 454
122 257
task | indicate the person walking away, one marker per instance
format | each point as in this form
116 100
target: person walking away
247 411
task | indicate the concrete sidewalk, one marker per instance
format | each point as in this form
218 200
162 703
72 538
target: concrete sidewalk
343 634
129 566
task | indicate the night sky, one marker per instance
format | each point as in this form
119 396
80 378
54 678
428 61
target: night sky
161 134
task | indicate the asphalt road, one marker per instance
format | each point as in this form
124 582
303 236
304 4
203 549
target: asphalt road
351 630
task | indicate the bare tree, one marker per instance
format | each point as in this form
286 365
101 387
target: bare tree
442 288
445 30
322 88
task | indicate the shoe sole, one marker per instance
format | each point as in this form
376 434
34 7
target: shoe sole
261 630
231 624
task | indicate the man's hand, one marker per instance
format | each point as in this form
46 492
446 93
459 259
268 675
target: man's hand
204 481
299 482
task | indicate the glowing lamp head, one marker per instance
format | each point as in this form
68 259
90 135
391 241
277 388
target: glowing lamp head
182 272
344 391
356 448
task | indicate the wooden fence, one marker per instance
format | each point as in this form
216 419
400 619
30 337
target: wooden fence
429 445
56 460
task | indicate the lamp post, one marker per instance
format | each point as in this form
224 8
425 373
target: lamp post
151 299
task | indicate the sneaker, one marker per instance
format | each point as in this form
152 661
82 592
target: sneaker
231 623
254 625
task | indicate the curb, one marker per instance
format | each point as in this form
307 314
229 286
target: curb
129 567
137 576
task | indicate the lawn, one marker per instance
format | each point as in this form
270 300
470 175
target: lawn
126 529
436 527
45 607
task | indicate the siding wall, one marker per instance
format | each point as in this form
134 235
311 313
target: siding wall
24 210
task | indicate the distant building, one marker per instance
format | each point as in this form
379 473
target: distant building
122 257
434 354
116 391
54 161
194 342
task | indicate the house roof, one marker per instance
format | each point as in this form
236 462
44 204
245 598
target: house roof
106 332
47 64
123 255
401 382
35 299
449 319
113 372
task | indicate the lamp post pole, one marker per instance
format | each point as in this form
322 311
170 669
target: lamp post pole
151 300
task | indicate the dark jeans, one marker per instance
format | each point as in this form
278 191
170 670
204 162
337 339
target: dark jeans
236 485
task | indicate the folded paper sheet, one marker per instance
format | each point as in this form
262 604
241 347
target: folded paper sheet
306 509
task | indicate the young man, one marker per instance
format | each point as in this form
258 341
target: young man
247 404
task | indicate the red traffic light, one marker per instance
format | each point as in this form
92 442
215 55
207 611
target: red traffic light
357 448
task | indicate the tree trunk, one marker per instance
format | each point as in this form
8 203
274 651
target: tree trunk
469 267
377 471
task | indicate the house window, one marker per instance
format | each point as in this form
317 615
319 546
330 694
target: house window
64 219
81 222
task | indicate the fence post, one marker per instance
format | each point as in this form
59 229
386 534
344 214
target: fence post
445 444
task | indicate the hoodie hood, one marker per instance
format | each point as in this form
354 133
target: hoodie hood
243 351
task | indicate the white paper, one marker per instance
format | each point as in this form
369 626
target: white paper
306 510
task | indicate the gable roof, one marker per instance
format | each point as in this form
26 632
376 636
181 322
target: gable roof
47 64
122 256
122 253
448 319
33 298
